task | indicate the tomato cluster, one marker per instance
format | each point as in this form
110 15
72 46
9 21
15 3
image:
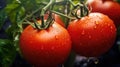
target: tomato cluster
90 36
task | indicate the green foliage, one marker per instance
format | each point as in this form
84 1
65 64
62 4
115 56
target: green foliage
7 52
14 10
23 8
17 11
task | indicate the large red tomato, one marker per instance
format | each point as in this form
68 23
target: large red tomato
45 48
92 35
108 7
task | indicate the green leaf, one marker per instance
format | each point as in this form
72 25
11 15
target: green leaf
13 10
32 5
7 52
22 8
13 33
29 5
3 17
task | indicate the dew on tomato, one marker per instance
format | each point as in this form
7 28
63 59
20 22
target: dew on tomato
53 48
95 27
107 7
83 32
96 23
91 36
45 48
56 37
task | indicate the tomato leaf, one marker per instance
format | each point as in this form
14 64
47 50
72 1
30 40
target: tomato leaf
7 52
29 5
13 10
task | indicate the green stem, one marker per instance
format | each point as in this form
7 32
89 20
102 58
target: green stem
68 11
82 11
28 16
46 7
62 14
72 3
43 12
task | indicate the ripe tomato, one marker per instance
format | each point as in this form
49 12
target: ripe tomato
92 35
108 7
45 48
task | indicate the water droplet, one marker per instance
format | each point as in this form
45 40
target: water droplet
111 27
42 48
96 23
83 32
53 48
108 24
95 27
56 37
89 36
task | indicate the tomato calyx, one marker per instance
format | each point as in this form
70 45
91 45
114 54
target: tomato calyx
44 23
49 21
80 10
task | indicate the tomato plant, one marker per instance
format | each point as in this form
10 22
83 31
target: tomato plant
108 7
92 35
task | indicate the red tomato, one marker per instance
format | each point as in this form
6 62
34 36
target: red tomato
45 48
108 7
92 35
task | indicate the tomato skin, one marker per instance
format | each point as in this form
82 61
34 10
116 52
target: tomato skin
92 35
108 7
45 48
